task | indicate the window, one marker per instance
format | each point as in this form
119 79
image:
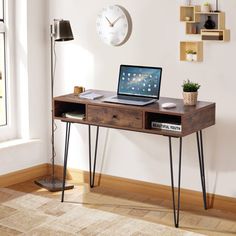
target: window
3 105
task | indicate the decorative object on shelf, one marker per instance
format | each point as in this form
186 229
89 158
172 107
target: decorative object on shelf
60 31
187 2
188 18
190 92
114 25
191 55
217 6
209 24
206 7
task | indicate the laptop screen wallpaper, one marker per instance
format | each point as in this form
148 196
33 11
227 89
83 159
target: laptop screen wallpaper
139 81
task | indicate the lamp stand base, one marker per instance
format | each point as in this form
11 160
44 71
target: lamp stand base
53 184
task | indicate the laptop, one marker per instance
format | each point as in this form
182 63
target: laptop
138 85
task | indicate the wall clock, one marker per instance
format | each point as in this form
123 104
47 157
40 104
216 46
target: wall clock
114 25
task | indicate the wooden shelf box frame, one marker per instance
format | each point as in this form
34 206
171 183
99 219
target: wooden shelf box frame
191 45
211 35
189 11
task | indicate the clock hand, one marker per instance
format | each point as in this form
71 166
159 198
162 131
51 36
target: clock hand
109 22
113 23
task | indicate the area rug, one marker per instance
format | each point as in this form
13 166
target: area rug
29 214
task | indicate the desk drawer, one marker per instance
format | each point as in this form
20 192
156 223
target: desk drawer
115 117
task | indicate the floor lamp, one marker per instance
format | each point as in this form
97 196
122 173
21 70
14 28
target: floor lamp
60 31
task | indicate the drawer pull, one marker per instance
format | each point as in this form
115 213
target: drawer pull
114 117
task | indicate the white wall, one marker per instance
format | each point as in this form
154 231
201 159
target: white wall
154 41
31 82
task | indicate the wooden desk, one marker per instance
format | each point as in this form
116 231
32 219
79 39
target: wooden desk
193 119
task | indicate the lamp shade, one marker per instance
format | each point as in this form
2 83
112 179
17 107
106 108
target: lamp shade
62 30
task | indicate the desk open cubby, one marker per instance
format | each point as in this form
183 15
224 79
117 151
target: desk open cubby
157 122
62 108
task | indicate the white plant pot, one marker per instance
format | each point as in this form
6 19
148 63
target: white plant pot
189 57
194 56
205 8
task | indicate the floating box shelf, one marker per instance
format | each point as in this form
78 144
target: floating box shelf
196 46
196 27
189 11
215 35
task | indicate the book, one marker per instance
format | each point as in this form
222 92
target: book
166 126
90 95
74 115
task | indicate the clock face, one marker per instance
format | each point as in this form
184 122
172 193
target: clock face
113 26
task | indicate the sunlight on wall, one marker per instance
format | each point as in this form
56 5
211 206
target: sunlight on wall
76 66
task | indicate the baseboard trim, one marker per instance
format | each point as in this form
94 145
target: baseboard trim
149 190
24 175
188 197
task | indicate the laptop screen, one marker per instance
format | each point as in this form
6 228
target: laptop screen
139 81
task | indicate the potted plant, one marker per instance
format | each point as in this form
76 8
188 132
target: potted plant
190 92
191 55
206 7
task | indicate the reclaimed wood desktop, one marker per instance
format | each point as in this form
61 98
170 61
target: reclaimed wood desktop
193 119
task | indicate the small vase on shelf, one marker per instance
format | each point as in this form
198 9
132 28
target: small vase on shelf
209 24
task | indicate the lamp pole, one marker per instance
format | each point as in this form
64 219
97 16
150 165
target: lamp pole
52 95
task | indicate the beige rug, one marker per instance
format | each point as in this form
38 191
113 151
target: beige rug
28 214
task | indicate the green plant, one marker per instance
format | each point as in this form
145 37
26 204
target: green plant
206 4
189 86
190 51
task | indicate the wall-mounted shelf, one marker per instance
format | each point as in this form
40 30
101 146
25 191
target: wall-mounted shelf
189 11
194 22
196 46
215 35
197 26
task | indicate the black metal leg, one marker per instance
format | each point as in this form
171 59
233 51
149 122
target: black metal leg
67 139
92 172
175 210
202 167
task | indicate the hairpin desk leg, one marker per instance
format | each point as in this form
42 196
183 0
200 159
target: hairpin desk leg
92 173
202 168
67 139
175 210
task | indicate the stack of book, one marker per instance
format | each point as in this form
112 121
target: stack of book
212 35
74 115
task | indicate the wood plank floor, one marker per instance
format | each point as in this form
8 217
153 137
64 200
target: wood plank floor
210 222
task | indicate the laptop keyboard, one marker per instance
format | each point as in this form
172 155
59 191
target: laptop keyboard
132 98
